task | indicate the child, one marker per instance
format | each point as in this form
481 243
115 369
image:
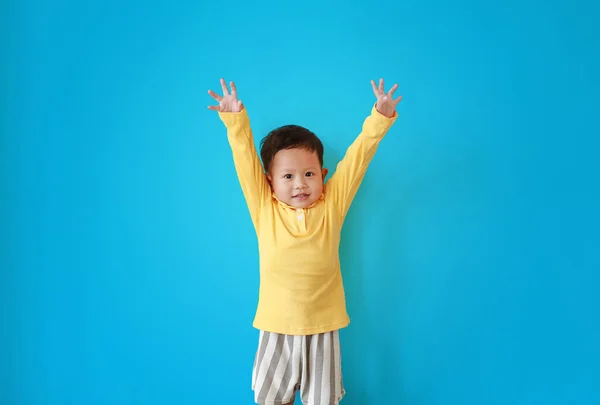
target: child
298 220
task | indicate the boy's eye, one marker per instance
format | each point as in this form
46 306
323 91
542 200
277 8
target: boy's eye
309 174
287 176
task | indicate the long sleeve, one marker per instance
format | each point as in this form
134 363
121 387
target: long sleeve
251 176
350 171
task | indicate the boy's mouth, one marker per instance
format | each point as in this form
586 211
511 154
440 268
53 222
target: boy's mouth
301 196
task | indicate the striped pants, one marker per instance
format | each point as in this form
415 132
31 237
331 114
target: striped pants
285 364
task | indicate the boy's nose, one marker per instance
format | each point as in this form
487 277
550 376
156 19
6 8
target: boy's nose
300 183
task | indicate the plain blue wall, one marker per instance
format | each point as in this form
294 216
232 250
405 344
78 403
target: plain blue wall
470 256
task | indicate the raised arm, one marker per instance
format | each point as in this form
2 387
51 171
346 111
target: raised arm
350 171
247 164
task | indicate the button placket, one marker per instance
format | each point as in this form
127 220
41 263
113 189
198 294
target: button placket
301 219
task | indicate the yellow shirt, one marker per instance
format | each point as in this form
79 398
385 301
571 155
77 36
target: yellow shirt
301 290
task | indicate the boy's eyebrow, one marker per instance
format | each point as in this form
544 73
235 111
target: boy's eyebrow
291 170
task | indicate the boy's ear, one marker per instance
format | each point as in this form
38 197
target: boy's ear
269 178
324 171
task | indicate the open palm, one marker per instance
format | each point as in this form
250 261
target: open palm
386 105
228 102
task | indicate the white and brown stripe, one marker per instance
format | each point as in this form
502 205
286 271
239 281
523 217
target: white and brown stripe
285 364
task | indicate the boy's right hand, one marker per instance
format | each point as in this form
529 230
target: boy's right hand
228 102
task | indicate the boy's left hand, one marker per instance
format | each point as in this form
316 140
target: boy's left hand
385 104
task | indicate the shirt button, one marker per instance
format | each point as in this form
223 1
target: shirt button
300 217
298 210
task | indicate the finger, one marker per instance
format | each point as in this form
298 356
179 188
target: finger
233 89
215 95
375 91
381 88
224 87
397 100
392 90
213 107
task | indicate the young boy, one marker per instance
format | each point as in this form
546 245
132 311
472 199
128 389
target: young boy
298 219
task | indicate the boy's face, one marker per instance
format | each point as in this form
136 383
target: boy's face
296 177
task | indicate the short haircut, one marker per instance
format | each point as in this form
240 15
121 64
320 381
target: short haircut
289 137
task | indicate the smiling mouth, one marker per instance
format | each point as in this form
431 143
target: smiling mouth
301 196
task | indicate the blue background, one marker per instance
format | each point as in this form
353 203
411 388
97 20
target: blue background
470 256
